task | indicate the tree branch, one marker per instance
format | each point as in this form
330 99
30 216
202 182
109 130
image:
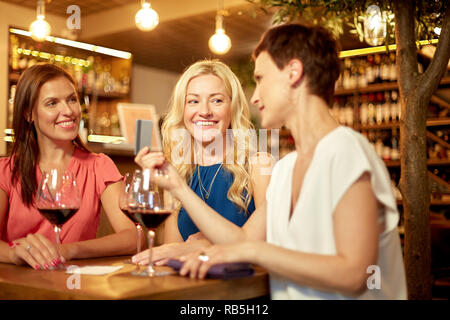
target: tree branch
406 49
431 77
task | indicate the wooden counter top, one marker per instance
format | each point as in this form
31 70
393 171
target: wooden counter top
22 282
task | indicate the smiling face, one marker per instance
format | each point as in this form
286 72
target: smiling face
207 108
57 112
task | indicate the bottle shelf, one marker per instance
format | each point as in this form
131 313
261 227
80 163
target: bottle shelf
430 162
384 86
389 125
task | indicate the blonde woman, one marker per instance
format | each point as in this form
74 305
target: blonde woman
204 137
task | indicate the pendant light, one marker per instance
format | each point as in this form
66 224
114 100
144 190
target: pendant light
219 43
146 19
374 26
40 29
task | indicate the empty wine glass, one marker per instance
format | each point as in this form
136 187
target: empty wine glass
58 199
123 204
150 208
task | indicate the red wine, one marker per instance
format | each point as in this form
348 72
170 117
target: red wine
130 215
151 218
58 216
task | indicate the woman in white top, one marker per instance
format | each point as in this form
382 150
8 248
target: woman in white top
328 229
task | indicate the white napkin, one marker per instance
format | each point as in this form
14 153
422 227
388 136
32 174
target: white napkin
93 270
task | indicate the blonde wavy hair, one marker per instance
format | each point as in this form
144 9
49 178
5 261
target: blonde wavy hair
240 122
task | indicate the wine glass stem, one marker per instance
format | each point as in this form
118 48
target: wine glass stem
139 235
57 231
151 238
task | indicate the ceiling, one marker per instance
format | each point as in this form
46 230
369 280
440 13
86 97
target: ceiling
176 43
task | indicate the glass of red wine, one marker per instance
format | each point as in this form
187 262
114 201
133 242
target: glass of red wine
124 198
150 207
58 199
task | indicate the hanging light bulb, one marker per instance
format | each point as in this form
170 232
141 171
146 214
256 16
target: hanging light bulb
374 26
146 19
40 29
219 43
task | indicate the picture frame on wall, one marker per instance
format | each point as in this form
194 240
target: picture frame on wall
130 112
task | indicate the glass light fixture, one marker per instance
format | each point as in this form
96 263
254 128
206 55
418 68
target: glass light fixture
40 29
219 43
374 26
146 19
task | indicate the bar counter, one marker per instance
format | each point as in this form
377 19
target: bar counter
22 282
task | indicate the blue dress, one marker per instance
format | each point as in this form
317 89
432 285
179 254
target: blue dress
217 199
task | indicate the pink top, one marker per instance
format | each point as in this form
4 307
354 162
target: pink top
94 172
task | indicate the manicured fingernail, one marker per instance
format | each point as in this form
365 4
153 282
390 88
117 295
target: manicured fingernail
46 266
11 244
37 267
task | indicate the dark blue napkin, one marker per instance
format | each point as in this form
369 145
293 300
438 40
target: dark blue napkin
220 271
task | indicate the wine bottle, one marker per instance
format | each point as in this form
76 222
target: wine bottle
385 68
379 108
386 107
377 64
393 67
395 152
363 115
371 109
394 106
370 75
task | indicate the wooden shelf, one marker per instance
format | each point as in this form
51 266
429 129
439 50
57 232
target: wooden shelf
14 77
392 163
385 86
438 162
390 125
438 122
433 202
430 162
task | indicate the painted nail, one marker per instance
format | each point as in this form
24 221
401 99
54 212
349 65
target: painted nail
53 263
37 267
46 266
11 244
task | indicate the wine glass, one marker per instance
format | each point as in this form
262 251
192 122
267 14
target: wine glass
58 199
150 207
123 204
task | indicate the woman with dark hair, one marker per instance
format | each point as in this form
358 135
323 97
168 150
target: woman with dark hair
46 120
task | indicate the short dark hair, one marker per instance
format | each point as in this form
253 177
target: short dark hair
314 46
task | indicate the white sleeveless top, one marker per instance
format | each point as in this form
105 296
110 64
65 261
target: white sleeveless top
340 158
